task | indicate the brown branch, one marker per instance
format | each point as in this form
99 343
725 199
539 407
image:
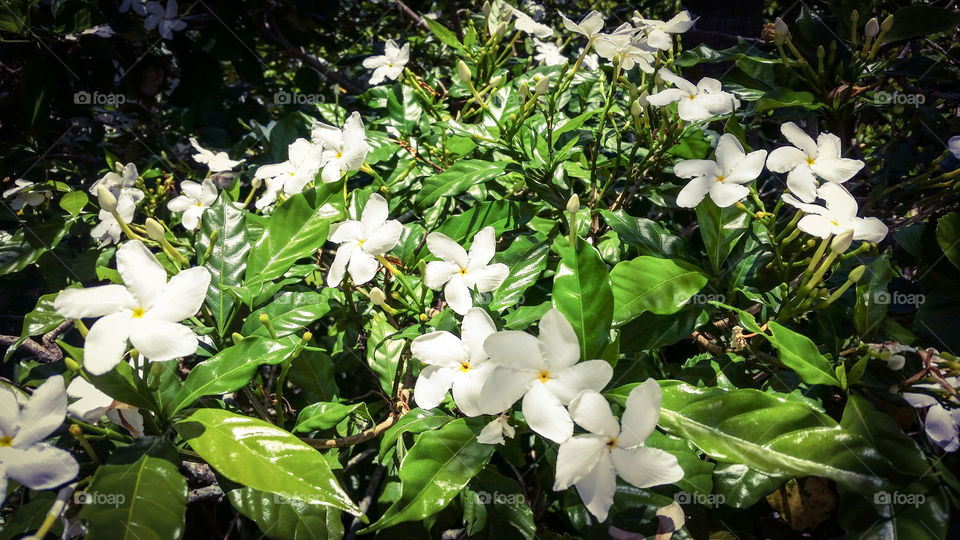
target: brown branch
366 435
412 14
47 350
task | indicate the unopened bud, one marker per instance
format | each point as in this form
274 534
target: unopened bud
463 70
307 336
106 199
781 30
72 364
856 274
854 17
424 318
485 9
573 205
256 182
636 109
395 295
841 242
264 318
811 242
154 229
872 28
542 86
237 337
523 90
156 369
821 52
887 24
495 82
500 31
377 296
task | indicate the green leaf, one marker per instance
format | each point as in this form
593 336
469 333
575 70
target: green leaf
501 215
415 421
496 507
295 230
660 286
41 320
434 471
442 33
229 370
771 434
720 229
872 296
582 293
287 519
527 259
326 415
383 352
457 179
139 501
800 354
290 313
921 20
256 454
781 97
742 487
648 236
74 202
948 236
228 254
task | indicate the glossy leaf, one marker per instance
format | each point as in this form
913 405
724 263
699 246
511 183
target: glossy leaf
223 234
457 179
582 293
290 313
800 354
527 259
287 519
720 229
256 454
649 284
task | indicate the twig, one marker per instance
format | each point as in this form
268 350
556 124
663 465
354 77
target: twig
47 350
366 435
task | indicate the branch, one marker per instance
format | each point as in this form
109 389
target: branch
366 435
47 350
412 14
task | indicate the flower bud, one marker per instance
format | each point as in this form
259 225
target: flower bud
424 318
781 30
156 369
856 274
463 70
821 52
395 295
237 338
307 336
377 296
887 24
523 90
72 364
811 243
256 182
542 86
872 28
854 17
500 31
485 9
841 242
573 205
106 199
154 229
636 109
495 82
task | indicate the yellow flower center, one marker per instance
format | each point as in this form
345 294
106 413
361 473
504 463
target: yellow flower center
721 178
835 224
463 271
339 155
199 204
692 96
138 313
810 161
611 443
360 242
292 173
464 366
544 376
6 440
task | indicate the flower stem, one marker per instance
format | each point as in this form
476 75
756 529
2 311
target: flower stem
401 278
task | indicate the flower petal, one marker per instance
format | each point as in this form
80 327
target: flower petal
442 246
690 168
576 457
439 349
592 412
596 489
646 467
141 271
346 231
362 266
725 194
43 414
382 238
589 375
941 429
438 273
477 326
666 97
836 170
339 265
483 248
9 413
799 138
374 212
729 152
801 182
488 278
558 341
468 389
640 414
40 466
106 342
182 296
545 414
818 226
432 386
515 350
504 386
161 340
457 295
747 168
93 301
694 192
785 158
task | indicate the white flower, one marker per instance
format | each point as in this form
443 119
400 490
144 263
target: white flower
954 145
361 241
620 45
722 178
146 310
139 7
658 32
216 162
108 231
592 461
195 199
588 27
525 23
93 404
164 20
459 273
343 150
545 371
694 103
24 195
494 432
942 425
291 176
807 158
118 184
101 30
457 363
390 65
548 53
839 215
22 456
